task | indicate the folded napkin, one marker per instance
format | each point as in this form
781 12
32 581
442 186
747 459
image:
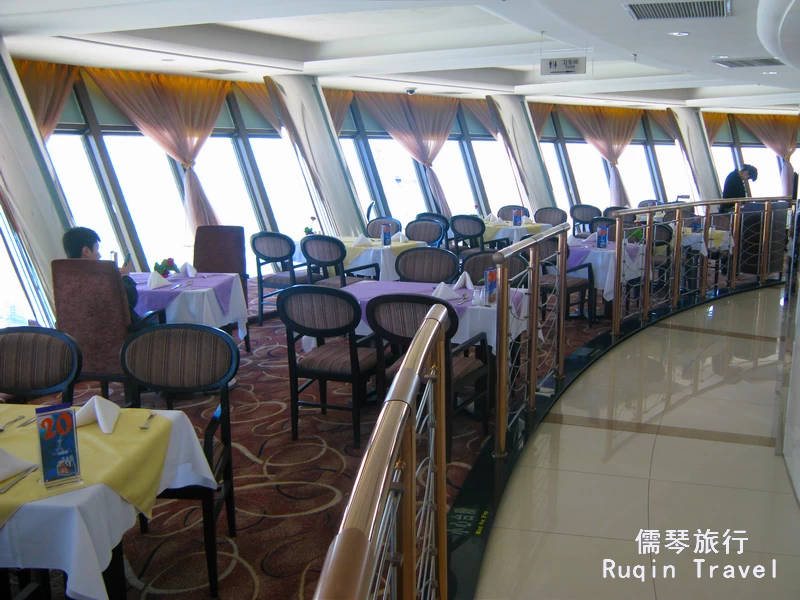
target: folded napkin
156 281
592 239
444 292
490 217
10 465
573 241
499 222
362 240
188 270
104 412
399 237
465 281
527 221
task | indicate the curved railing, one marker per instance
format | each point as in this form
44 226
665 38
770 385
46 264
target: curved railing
392 539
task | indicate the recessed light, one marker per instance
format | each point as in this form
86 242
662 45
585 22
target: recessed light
679 33
167 60
770 72
720 56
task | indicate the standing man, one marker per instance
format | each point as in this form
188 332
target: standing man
82 242
734 185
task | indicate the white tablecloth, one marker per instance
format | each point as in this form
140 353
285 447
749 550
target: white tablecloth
383 255
604 268
202 307
695 242
515 234
76 531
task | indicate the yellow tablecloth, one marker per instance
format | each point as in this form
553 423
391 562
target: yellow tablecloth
129 461
354 252
493 230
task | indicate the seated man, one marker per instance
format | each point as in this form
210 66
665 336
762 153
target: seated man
82 242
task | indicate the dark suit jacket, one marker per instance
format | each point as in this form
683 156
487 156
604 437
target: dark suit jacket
734 188
133 296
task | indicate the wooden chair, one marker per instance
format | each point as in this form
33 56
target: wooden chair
597 222
468 231
476 265
427 265
92 307
648 203
575 284
375 227
324 312
396 318
581 215
441 219
550 214
220 249
277 249
323 252
37 361
611 213
507 212
428 231
192 358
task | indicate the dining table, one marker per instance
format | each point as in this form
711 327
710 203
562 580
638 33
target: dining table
603 261
76 528
514 233
213 299
376 252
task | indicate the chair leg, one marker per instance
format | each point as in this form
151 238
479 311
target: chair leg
247 339
230 504
144 524
323 395
295 409
359 396
104 389
210 540
69 394
582 302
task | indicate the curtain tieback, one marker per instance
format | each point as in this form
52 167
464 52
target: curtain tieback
788 156
187 163
614 162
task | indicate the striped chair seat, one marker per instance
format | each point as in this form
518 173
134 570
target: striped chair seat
283 279
333 358
548 282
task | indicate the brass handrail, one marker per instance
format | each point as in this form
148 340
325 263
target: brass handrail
502 256
351 560
681 205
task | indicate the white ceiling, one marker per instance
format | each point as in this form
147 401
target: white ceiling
439 46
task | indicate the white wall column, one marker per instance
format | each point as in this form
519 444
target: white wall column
693 140
336 192
29 179
516 126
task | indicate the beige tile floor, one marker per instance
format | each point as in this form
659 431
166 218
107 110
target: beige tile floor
673 429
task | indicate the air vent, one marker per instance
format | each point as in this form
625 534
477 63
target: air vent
707 9
740 63
220 72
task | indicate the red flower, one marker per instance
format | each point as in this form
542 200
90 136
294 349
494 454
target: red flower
313 218
165 274
170 262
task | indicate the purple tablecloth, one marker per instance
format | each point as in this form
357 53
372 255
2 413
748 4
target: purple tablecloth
220 283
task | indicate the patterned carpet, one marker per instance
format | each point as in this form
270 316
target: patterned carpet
289 495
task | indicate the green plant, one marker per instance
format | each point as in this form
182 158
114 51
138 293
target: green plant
165 266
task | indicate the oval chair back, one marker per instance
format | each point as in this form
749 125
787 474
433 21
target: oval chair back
550 214
611 212
477 264
431 232
581 215
507 212
604 222
648 203
38 361
374 227
427 265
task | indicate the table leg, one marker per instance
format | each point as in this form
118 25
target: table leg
114 575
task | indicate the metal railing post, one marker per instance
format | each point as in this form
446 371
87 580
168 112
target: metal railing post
440 464
407 529
648 265
562 304
533 324
765 243
733 267
677 254
704 257
501 353
618 261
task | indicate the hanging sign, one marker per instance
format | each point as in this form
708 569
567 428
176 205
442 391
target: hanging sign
564 66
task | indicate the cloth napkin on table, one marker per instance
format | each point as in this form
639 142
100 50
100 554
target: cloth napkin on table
499 222
527 221
444 292
592 239
465 281
104 412
156 281
11 465
573 241
362 240
490 217
399 237
188 270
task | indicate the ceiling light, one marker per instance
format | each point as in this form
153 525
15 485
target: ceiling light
770 72
679 33
167 60
719 56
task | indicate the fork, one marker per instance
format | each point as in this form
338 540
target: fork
464 298
28 422
3 428
18 478
146 424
